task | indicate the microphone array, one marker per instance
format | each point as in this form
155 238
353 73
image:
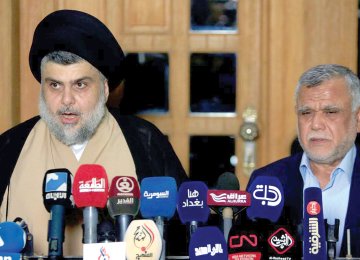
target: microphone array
140 211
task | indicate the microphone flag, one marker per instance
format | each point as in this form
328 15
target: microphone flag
282 242
267 199
57 188
143 240
314 235
158 197
246 242
124 196
208 243
228 198
192 202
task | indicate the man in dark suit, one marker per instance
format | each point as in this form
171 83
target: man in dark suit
78 62
328 119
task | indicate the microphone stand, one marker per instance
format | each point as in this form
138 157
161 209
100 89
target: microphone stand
332 236
227 214
121 224
90 215
159 221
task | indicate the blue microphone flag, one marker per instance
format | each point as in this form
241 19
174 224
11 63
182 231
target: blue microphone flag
208 243
12 237
192 202
158 197
10 256
267 199
57 188
314 226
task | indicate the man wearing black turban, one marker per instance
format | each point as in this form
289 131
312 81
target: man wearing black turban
77 61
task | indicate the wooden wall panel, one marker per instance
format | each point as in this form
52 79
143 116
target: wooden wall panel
9 72
298 35
147 16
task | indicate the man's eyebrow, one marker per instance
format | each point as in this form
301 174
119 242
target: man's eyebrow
303 108
82 78
47 79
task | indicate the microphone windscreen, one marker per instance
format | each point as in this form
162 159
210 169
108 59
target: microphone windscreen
158 197
143 240
192 202
124 196
57 188
267 199
208 243
245 242
12 238
314 227
227 181
90 188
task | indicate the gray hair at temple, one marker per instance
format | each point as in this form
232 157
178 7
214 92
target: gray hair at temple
321 73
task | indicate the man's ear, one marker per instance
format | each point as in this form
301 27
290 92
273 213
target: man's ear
358 119
106 90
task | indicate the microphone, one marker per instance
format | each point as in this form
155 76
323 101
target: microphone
332 237
158 200
12 240
208 243
266 208
227 181
314 226
267 199
123 203
227 198
245 242
29 246
57 198
282 242
192 204
105 232
143 240
90 191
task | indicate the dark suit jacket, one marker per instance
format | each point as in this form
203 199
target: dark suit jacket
287 170
152 153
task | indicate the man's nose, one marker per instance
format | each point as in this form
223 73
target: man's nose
68 96
317 121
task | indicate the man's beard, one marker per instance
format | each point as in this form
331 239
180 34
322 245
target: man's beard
339 152
65 133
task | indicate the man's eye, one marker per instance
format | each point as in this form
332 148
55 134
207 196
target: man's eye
81 85
332 112
54 85
305 113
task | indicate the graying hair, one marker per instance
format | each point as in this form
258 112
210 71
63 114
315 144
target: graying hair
321 73
64 58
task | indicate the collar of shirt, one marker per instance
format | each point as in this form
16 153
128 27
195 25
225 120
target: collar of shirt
78 149
345 167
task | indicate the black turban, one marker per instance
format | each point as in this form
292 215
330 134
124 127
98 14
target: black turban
82 34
